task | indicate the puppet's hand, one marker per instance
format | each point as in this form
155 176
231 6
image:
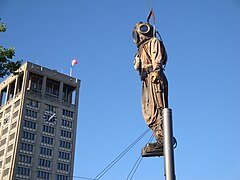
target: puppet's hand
137 62
154 77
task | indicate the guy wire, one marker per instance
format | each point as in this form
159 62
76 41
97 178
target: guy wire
137 163
107 168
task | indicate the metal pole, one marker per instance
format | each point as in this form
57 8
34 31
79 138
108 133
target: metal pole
168 145
70 74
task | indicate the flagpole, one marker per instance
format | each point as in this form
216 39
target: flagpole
74 61
71 71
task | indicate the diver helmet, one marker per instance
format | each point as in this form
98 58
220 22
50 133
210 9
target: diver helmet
142 32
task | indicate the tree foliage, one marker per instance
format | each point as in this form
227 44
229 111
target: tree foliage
7 65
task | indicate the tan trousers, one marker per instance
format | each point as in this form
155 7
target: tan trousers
154 99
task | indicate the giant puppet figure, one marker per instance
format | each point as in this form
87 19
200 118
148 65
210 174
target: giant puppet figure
149 61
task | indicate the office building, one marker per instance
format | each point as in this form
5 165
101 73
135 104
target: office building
38 120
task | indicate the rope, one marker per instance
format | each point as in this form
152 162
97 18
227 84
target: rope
137 163
135 167
107 168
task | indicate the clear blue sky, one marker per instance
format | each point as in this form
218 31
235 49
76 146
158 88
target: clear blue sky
203 43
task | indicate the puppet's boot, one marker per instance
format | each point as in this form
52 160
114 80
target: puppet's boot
153 149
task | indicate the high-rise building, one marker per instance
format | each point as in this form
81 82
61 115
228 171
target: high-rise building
38 120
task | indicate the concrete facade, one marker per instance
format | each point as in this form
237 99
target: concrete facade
38 120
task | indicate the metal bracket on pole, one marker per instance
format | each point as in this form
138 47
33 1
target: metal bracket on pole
168 145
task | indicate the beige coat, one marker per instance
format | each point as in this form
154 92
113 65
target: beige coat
154 94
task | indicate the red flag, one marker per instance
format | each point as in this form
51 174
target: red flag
74 61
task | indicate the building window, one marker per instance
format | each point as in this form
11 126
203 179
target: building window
29 124
44 163
65 144
15 114
14 125
17 103
6 120
47 140
2 152
23 171
68 94
8 110
64 155
52 88
43 175
5 172
45 151
12 136
4 131
50 108
26 147
19 83
28 135
25 159
10 148
67 113
48 129
11 90
3 96
35 82
30 113
66 123
8 160
2 142
62 177
66 134
63 167
32 103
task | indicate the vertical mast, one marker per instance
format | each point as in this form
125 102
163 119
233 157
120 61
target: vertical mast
168 145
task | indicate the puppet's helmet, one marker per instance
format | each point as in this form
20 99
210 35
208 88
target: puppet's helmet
142 32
